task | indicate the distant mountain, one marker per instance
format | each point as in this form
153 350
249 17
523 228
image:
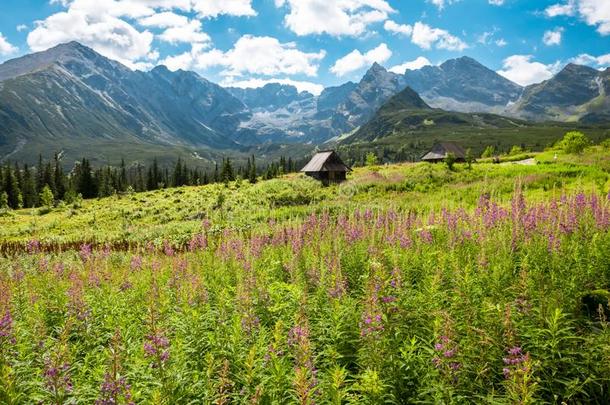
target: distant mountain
317 119
464 85
575 93
375 88
269 97
407 113
70 97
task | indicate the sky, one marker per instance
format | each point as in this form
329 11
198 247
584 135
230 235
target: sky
316 43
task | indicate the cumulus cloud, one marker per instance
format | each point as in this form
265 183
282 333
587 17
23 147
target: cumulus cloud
111 36
109 26
425 37
21 27
440 4
337 18
601 61
187 33
272 58
552 37
415 64
6 48
356 60
313 88
496 2
395 28
522 70
593 12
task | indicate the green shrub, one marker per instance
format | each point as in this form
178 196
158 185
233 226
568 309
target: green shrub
574 142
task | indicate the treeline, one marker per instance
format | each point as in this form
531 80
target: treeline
46 183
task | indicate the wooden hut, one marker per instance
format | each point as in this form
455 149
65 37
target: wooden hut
327 167
440 150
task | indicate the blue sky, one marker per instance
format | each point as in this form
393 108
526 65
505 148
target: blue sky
316 43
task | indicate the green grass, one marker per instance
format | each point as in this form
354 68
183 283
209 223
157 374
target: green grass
408 283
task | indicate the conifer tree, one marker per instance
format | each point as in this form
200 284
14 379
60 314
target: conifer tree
252 171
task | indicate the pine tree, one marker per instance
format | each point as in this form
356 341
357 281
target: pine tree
60 185
177 178
227 173
46 197
28 188
252 172
11 187
122 183
216 178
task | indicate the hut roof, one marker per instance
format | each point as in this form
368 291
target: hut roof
441 149
326 161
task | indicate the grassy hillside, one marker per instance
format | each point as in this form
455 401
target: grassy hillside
407 283
176 213
403 129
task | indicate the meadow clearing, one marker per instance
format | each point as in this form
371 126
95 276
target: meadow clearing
409 283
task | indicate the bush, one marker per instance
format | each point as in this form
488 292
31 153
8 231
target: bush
574 142
46 197
371 159
488 152
516 150
450 160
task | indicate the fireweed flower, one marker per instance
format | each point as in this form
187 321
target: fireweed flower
156 347
516 362
33 246
57 376
168 250
85 252
136 263
113 389
6 329
444 359
197 242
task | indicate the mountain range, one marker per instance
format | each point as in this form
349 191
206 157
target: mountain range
71 98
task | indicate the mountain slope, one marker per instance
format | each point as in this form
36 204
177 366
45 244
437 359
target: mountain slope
407 113
70 95
464 85
573 93
269 97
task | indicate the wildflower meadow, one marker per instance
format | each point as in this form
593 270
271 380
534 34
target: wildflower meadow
499 297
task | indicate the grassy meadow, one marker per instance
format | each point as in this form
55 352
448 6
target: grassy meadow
409 283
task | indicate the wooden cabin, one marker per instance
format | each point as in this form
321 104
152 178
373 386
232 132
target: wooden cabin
440 150
327 167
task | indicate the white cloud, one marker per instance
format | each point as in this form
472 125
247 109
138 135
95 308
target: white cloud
165 19
418 63
496 2
440 4
313 88
522 70
601 61
425 37
111 36
501 42
107 25
6 48
188 33
334 17
593 12
214 8
356 60
551 38
21 27
596 12
251 56
395 28
555 10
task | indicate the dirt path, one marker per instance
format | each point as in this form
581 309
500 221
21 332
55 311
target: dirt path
525 162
